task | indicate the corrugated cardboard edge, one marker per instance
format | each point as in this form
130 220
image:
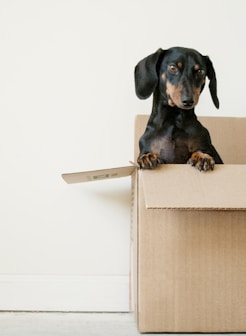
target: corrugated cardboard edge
133 243
134 272
97 175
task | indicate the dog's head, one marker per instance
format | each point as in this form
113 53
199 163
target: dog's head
179 74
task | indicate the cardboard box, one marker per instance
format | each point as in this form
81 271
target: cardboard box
189 237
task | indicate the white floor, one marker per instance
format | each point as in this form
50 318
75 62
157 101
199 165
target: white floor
67 324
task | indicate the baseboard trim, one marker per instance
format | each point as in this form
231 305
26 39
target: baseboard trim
64 293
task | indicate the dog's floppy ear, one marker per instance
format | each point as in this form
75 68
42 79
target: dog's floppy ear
146 77
213 82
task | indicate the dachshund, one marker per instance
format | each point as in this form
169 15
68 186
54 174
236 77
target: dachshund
176 77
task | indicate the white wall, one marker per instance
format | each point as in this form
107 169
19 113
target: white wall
67 103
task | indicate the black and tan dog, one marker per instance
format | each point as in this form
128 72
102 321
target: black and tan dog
176 77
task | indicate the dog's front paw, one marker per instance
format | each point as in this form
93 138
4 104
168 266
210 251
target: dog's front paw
148 160
201 161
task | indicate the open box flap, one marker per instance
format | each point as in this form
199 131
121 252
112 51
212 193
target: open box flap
184 187
95 175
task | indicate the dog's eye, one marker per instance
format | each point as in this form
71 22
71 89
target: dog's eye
200 72
173 69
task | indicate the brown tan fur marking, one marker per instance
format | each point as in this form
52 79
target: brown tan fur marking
174 94
163 76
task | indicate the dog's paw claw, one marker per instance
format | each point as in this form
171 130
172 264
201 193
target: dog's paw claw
201 161
148 161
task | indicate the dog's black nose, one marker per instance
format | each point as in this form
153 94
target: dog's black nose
188 102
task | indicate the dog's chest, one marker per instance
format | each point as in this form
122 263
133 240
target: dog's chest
172 144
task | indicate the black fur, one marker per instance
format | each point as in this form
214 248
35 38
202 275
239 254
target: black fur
176 77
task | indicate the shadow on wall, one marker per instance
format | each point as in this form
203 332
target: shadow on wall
115 192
